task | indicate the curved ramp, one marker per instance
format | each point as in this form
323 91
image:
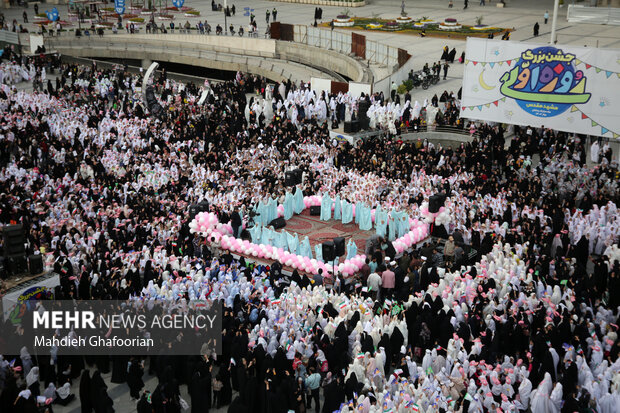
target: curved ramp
257 56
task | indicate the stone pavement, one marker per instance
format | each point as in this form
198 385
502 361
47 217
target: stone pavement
120 394
519 15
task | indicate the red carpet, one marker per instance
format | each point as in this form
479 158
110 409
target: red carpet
321 231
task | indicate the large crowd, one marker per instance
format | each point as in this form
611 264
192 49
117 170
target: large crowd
103 191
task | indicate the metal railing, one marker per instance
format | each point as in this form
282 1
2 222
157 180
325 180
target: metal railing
9 37
421 129
593 15
376 53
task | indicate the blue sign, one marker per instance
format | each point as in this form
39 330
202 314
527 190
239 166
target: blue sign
52 15
545 82
178 3
247 11
119 7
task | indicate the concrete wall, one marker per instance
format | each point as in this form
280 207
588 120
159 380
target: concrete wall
225 44
327 59
264 57
211 60
445 138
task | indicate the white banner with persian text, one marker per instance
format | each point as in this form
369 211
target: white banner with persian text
39 289
573 89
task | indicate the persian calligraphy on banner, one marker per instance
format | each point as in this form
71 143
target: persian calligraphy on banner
571 89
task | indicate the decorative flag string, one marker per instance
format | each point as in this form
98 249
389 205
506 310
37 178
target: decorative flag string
492 64
608 73
486 105
594 123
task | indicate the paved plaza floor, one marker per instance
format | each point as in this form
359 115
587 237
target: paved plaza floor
520 15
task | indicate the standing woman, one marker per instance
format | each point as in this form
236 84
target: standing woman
300 402
199 390
134 378
85 398
32 381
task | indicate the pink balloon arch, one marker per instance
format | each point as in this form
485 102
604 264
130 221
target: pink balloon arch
208 225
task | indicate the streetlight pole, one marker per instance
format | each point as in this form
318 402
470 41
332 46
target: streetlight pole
225 17
554 22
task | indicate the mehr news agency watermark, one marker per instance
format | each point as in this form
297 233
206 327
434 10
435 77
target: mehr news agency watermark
115 327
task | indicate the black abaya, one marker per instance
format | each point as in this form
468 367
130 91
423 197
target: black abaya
85 399
119 369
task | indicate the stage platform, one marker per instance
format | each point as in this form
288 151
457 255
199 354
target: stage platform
319 231
15 281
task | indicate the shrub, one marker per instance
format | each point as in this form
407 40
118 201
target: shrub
401 89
